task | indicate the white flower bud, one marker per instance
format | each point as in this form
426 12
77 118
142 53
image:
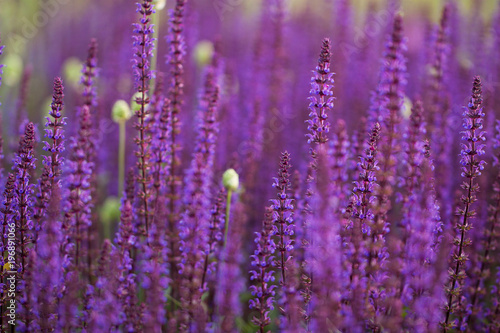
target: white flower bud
230 180
203 53
159 4
121 111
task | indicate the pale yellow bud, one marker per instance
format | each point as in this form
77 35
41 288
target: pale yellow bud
406 108
72 69
121 111
159 4
230 180
203 53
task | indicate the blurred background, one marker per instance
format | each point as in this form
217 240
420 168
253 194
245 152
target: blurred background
49 38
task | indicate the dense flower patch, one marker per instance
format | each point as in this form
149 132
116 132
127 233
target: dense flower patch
251 195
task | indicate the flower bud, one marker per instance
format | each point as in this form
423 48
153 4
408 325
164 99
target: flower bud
72 69
203 53
159 4
230 180
406 108
121 111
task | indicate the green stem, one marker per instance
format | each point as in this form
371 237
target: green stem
228 208
121 158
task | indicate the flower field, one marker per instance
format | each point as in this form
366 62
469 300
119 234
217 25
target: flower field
250 166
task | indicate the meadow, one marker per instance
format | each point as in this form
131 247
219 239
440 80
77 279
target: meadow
239 166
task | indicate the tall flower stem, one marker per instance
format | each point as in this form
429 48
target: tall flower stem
226 221
230 180
471 169
143 45
283 220
121 113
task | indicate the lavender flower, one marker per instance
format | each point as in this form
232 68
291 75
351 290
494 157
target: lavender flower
105 314
339 156
490 242
472 166
282 216
215 238
24 164
321 98
379 258
438 105
48 267
398 294
52 163
230 282
175 58
143 46
7 246
194 225
27 317
262 276
323 254
321 101
159 143
54 132
89 73
126 242
360 222
391 86
78 199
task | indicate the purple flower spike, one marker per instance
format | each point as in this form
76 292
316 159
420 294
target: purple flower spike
170 116
24 163
324 252
472 167
105 309
52 163
89 73
262 276
143 46
127 241
490 243
361 221
215 238
230 282
283 228
321 98
78 201
389 102
48 267
195 223
7 245
54 132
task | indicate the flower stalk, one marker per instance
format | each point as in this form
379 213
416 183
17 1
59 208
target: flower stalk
472 165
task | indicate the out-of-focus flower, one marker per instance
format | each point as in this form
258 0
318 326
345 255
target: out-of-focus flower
121 111
203 53
231 180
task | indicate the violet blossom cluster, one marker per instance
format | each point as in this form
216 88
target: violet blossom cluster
387 221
